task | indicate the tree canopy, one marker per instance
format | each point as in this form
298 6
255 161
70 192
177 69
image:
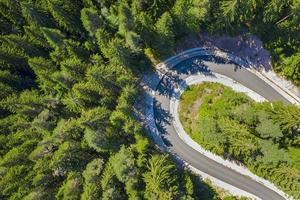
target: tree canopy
262 136
69 72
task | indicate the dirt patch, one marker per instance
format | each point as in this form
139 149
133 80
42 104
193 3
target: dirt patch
196 105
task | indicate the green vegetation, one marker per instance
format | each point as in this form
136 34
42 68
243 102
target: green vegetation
262 136
68 80
276 23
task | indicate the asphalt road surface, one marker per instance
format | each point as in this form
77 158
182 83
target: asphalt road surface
187 153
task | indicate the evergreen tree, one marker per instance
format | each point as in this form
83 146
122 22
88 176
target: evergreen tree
165 38
10 10
125 19
72 188
124 164
36 35
189 15
14 60
91 20
64 159
27 46
74 67
36 16
67 14
160 179
95 122
28 103
288 118
268 129
54 37
292 69
43 68
112 188
68 80
92 178
134 41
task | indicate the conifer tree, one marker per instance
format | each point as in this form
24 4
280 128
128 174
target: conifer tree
54 37
92 178
11 10
91 20
43 68
36 16
125 19
67 14
72 188
165 38
160 179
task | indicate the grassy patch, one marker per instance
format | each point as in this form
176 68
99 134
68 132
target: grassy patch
235 127
294 154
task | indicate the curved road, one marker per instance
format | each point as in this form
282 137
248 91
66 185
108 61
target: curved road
164 92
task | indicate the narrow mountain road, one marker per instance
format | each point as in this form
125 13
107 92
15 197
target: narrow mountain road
174 72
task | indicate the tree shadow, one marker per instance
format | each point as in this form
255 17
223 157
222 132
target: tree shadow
191 67
167 84
169 88
173 78
162 118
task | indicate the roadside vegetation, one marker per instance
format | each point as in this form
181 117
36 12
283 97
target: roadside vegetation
68 80
265 137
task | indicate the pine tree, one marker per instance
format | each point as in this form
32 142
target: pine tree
112 188
63 82
165 38
291 67
92 177
69 157
288 118
67 14
54 37
125 19
36 35
72 188
160 179
14 60
102 38
36 16
28 104
123 163
134 41
29 48
91 20
188 16
10 10
43 68
74 67
95 122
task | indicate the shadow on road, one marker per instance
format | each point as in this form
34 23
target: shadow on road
169 87
162 119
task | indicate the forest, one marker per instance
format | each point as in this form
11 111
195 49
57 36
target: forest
69 72
262 136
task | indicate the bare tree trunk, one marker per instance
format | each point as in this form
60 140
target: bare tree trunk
283 19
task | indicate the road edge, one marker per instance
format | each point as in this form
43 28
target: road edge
162 69
174 103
